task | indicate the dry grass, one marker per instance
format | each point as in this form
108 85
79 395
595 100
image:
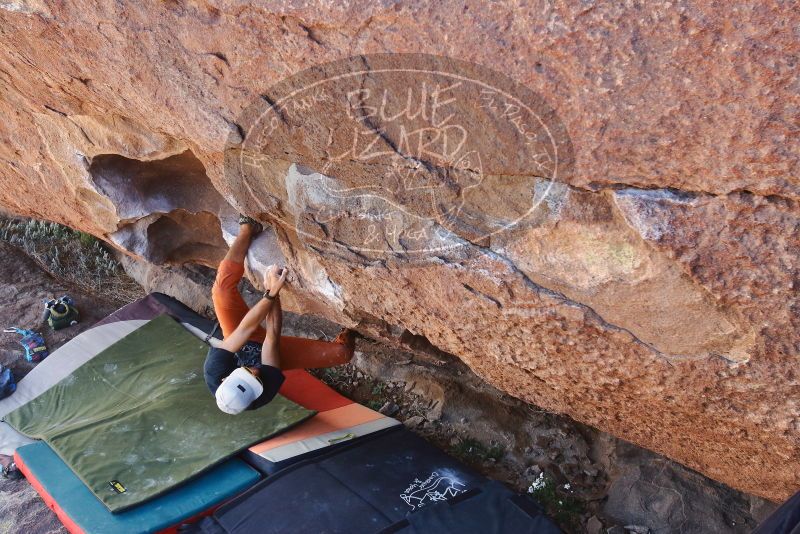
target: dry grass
75 257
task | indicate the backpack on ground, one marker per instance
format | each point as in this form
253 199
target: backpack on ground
61 312
32 342
7 383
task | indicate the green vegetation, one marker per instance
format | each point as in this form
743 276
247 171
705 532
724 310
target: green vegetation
335 377
379 389
561 506
468 449
75 257
379 393
374 404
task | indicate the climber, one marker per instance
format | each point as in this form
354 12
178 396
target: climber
246 370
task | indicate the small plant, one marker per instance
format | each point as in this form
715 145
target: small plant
337 377
374 404
496 452
378 394
564 508
379 389
87 240
468 448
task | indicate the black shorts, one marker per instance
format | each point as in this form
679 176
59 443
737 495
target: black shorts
249 355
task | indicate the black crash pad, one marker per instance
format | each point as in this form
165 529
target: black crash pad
394 482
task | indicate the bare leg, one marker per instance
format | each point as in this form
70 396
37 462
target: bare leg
238 250
270 351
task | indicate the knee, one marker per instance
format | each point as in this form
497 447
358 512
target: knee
216 291
217 288
225 284
228 276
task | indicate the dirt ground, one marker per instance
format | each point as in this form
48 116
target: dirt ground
588 481
24 285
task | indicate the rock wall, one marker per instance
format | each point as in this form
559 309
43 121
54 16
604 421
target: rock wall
653 292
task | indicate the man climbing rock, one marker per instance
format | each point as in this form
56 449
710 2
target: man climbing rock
245 371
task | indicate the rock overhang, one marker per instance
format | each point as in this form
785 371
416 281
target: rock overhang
654 296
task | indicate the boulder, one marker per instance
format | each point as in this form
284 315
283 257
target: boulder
594 207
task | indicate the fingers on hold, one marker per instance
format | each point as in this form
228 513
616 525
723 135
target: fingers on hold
273 271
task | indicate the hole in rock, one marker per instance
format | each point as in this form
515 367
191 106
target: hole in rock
175 238
140 188
169 210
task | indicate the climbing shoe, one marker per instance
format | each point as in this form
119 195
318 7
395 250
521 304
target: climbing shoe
257 226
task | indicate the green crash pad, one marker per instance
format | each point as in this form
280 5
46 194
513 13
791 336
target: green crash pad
82 513
138 419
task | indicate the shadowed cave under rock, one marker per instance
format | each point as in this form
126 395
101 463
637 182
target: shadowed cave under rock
170 213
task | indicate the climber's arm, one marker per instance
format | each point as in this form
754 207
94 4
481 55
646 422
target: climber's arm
273 279
270 351
247 326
